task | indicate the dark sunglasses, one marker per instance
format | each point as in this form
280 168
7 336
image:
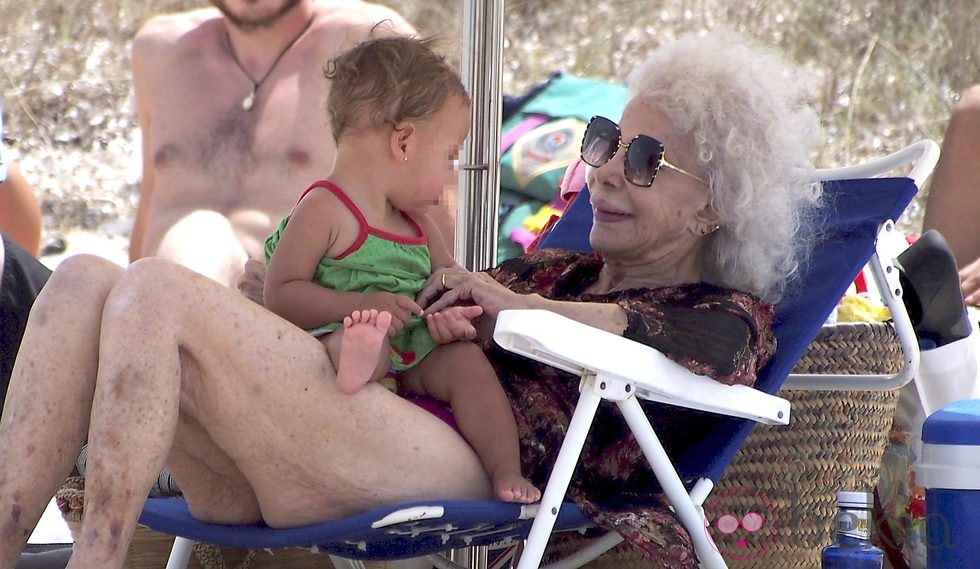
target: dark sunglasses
644 154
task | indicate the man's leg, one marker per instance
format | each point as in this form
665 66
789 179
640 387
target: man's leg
21 279
46 413
215 489
135 424
263 392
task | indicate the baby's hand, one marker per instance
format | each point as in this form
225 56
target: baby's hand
400 307
453 324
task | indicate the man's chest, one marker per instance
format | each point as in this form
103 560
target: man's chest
215 146
200 121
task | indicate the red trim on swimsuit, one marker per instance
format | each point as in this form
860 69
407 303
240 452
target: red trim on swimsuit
365 228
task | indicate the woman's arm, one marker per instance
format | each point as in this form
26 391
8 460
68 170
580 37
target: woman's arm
604 316
715 332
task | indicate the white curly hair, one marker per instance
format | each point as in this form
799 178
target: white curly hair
745 106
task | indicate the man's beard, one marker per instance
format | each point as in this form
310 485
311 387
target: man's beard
263 22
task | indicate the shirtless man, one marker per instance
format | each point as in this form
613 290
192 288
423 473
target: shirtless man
954 193
218 177
230 105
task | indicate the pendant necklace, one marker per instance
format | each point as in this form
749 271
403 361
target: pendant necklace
249 99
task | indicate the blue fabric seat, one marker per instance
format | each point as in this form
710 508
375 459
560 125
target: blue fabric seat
429 526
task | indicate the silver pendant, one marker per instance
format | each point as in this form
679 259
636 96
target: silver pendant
248 101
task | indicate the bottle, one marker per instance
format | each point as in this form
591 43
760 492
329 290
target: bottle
853 549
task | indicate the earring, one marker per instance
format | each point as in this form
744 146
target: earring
405 157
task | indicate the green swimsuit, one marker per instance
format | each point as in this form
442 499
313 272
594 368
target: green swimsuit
378 261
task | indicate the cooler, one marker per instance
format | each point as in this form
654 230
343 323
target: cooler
949 469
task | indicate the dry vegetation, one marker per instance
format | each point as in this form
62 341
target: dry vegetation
887 73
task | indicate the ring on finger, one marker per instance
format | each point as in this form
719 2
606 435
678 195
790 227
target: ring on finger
443 280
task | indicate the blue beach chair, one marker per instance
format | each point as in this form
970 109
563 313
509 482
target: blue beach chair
621 371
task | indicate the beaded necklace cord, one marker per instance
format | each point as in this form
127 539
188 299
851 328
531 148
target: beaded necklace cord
249 101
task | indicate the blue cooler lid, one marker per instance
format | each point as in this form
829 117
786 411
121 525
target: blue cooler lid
955 424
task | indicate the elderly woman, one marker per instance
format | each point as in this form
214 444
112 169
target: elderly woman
697 196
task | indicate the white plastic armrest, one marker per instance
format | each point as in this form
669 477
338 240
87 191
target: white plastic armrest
409 515
580 349
923 154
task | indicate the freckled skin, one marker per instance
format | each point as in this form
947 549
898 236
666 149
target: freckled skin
192 375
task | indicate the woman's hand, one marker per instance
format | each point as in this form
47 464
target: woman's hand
251 282
475 288
434 287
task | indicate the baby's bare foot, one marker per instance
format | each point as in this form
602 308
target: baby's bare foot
512 487
365 334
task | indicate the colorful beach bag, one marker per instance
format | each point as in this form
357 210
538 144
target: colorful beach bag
538 142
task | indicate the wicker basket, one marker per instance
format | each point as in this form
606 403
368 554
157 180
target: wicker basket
791 474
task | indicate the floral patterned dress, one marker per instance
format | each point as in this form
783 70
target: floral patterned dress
721 333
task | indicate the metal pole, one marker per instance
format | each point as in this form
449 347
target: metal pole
473 557
476 215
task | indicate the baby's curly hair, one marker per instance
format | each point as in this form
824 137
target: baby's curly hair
388 80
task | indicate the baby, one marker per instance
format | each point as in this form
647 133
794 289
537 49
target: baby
350 258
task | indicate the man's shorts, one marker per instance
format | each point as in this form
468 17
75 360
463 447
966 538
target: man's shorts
22 279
